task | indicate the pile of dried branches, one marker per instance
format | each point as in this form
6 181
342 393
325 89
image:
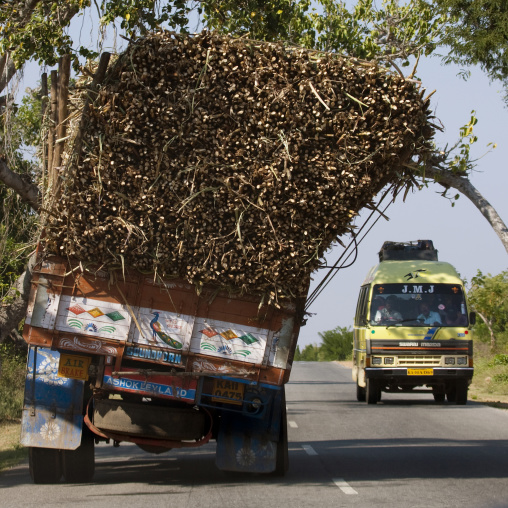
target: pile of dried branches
232 162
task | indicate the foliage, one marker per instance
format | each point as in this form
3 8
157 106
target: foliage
477 34
309 354
393 31
489 297
20 127
285 20
38 33
500 359
337 344
12 381
490 380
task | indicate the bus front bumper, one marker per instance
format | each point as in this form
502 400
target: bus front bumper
419 375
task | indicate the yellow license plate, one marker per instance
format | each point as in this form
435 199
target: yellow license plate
420 372
229 392
73 366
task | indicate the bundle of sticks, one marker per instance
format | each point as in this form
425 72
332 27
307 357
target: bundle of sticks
232 162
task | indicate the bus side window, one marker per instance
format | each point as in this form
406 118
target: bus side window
361 307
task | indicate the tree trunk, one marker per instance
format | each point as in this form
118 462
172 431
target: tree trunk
53 120
488 324
447 178
12 314
64 70
27 191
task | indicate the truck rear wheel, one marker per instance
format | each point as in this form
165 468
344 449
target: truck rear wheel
282 461
373 391
44 465
79 464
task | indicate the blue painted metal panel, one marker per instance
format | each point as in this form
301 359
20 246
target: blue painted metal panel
249 444
52 409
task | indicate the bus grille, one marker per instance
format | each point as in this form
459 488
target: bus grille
419 360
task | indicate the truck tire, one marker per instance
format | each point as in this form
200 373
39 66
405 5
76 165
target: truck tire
79 465
372 392
282 461
360 393
44 465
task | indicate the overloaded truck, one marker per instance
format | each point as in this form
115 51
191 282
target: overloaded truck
412 327
203 179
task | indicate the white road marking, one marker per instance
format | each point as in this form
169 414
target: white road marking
344 486
308 448
293 425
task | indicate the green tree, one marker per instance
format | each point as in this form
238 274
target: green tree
477 34
337 344
309 353
489 297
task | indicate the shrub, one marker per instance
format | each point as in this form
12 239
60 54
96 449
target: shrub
12 382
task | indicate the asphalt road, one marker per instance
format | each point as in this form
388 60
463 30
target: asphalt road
403 452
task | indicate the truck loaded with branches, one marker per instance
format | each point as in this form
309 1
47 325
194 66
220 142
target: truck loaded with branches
196 187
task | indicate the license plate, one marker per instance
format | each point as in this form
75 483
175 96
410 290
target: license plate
420 372
73 366
230 392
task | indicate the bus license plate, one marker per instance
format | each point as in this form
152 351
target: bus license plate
420 372
74 366
230 392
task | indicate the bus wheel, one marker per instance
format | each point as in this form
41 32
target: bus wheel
79 464
372 392
360 393
44 465
461 392
451 393
439 396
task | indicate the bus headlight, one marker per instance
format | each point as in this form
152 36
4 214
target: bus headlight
449 361
462 360
389 360
376 360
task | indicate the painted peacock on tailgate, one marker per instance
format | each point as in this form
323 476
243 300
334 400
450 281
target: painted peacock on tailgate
158 333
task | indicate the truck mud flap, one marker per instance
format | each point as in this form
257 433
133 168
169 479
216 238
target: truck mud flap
53 406
246 444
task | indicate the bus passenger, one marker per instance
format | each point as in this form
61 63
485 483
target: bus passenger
429 317
388 314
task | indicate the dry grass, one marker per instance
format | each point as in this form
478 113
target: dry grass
11 452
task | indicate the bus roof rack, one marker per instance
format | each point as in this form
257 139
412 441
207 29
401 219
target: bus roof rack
419 249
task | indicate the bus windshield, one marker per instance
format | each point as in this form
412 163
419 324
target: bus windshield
418 305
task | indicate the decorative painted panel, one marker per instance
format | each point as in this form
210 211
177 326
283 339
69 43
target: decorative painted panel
227 340
163 329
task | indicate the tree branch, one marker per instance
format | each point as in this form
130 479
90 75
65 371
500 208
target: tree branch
27 191
12 314
488 324
448 178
